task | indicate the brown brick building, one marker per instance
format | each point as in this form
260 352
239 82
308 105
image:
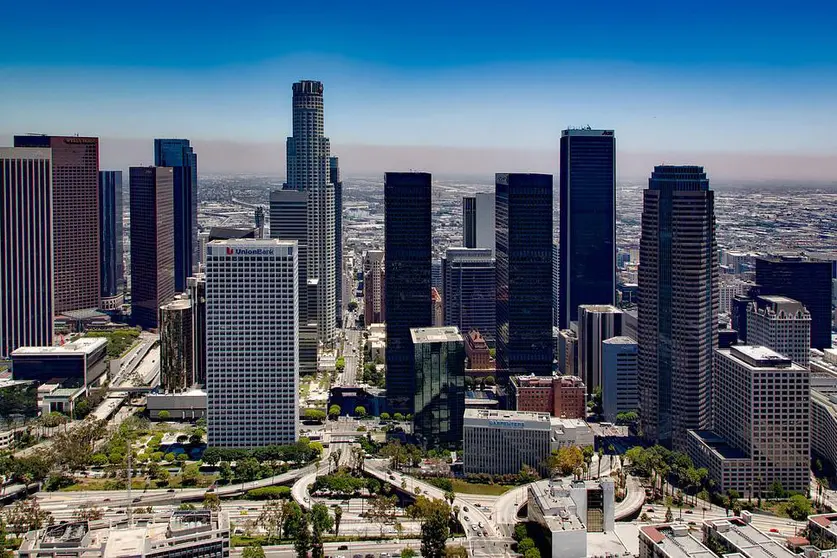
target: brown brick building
560 396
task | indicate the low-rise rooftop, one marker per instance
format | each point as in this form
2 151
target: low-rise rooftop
675 541
78 347
745 539
446 334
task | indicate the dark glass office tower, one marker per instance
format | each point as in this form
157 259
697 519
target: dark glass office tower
469 221
587 264
678 304
178 154
468 293
803 279
407 247
152 242
289 221
110 240
524 273
334 174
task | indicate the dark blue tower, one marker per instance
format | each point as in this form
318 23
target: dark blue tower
110 239
523 205
407 283
178 154
587 264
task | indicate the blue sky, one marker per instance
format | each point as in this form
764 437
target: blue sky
709 76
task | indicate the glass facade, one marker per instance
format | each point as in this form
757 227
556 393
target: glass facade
588 221
439 400
110 224
468 293
152 244
407 228
805 280
178 154
524 273
469 222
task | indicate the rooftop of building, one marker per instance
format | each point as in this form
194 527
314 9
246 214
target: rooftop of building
446 334
757 358
719 445
827 521
507 415
586 131
600 308
460 254
227 233
748 540
556 505
620 340
532 381
78 347
84 314
675 541
181 303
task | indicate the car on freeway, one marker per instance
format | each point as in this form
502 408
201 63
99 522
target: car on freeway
343 547
774 530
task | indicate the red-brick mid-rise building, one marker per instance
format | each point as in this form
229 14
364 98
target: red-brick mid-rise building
477 351
560 396
75 218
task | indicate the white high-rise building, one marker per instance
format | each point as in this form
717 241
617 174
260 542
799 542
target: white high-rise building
781 324
619 376
727 289
308 152
252 342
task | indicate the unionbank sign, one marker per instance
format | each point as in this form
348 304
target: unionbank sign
249 251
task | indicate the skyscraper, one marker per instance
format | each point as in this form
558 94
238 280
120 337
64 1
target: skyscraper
596 323
75 218
439 400
556 283
110 240
407 248
588 221
308 171
289 221
678 303
478 221
468 293
782 325
334 174
179 155
524 274
177 372
619 377
803 279
469 221
26 233
152 242
374 288
252 374
196 287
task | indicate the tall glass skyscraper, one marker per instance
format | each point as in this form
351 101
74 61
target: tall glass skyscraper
309 171
334 177
407 249
588 221
178 154
468 293
110 241
439 401
524 273
75 218
152 242
678 304
26 258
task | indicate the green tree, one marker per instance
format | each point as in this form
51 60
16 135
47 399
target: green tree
525 545
398 417
567 460
669 516
164 415
170 457
321 523
435 532
88 513
186 507
27 515
798 507
385 416
225 470
490 381
519 532
315 415
247 470
340 364
181 457
408 553
4 553
253 551
99 460
456 552
302 540
360 411
191 474
338 516
211 502
292 520
334 411
532 553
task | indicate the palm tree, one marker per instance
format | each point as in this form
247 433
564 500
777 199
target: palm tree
601 454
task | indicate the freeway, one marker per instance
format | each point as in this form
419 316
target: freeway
353 356
347 549
634 499
395 478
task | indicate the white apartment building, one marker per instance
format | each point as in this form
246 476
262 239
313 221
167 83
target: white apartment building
252 342
781 324
728 289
